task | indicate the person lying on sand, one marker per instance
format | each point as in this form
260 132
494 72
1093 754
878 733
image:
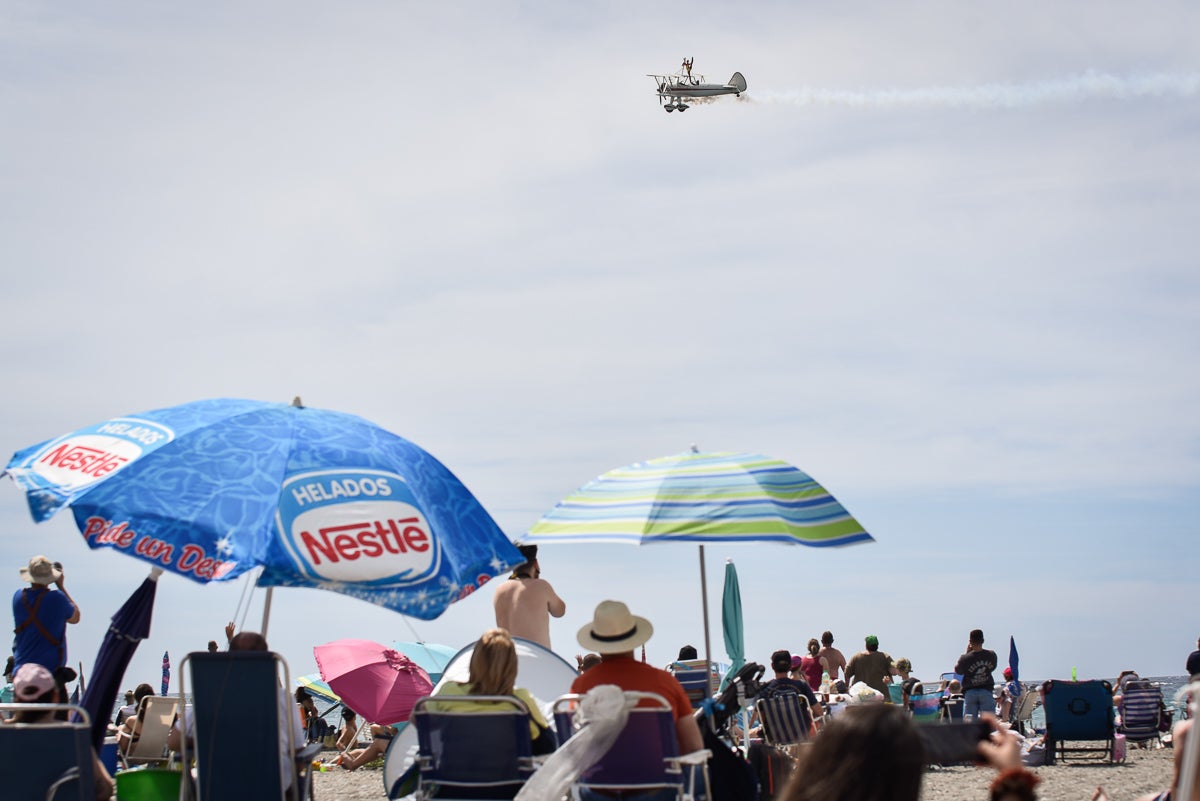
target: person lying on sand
381 738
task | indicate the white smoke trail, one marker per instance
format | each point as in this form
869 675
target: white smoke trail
1090 85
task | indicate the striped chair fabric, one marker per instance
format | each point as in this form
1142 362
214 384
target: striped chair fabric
786 719
695 683
925 708
1141 707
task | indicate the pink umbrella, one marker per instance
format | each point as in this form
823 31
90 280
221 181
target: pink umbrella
377 682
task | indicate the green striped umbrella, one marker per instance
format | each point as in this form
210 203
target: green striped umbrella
315 686
702 497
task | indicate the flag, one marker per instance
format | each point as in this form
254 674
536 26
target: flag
166 683
1013 659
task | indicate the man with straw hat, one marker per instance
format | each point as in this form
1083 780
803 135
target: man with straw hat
41 615
614 633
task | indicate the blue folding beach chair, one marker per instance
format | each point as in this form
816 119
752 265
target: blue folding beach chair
234 692
700 679
1078 712
472 752
50 761
695 681
645 757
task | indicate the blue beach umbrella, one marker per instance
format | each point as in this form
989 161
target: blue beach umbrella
731 622
431 656
315 498
130 625
1014 659
701 498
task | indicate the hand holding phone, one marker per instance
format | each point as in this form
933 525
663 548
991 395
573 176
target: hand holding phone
1001 750
952 743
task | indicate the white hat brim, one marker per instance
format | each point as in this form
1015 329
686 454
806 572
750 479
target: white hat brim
642 632
26 575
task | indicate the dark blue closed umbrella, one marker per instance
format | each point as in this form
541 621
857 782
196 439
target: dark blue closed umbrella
130 625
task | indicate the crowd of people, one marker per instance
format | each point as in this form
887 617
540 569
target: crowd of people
868 751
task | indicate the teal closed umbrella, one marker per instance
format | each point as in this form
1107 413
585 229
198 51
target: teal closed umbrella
731 622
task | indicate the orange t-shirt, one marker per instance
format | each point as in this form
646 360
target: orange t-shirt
629 674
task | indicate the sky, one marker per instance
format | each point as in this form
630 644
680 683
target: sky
940 257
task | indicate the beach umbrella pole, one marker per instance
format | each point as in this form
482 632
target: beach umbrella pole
266 611
704 606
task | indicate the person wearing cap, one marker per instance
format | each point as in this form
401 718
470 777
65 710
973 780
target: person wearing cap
526 601
614 633
41 615
910 685
975 667
1009 694
34 684
872 667
783 684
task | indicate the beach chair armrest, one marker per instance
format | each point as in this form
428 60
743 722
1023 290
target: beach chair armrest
69 775
700 757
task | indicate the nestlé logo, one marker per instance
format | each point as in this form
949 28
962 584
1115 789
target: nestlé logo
357 525
92 454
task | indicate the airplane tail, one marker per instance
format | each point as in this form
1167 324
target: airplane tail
738 82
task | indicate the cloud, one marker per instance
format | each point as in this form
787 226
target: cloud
479 230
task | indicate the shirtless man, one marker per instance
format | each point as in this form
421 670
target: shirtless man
835 660
525 602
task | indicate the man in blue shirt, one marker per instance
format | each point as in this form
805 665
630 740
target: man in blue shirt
41 615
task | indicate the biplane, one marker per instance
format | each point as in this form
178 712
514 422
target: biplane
674 89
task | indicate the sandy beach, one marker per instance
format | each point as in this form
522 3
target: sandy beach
1144 771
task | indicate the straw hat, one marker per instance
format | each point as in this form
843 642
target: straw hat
614 629
41 571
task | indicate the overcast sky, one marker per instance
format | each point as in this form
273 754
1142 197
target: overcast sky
943 258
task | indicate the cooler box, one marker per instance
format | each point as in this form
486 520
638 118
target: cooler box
108 755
